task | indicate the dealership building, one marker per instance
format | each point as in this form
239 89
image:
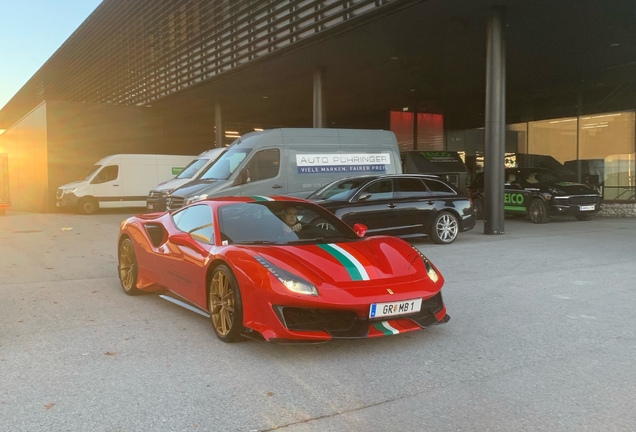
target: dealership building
491 80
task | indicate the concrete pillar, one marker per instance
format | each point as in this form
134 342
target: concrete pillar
218 123
495 124
319 104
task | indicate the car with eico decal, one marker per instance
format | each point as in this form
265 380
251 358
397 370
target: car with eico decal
540 193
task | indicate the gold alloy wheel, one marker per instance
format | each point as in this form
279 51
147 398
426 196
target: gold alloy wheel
222 303
127 265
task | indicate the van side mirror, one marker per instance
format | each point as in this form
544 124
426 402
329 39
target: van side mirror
243 177
360 229
185 239
364 197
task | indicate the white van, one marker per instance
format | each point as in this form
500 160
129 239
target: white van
157 196
292 162
117 181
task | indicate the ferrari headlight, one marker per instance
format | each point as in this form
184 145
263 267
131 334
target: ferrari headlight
196 198
430 270
291 281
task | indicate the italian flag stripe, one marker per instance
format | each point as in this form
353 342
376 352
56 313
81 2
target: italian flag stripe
261 198
366 264
355 269
386 328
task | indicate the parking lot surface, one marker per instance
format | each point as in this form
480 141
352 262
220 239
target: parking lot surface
542 337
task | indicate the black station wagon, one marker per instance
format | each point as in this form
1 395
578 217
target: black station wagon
400 205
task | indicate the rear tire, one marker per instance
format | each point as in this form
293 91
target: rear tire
87 206
583 217
445 228
538 211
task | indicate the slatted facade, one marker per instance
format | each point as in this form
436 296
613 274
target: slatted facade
136 52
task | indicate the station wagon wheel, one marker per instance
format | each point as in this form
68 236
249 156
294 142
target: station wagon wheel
321 223
128 269
226 307
445 228
538 211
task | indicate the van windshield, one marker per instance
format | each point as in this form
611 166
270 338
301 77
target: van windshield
223 168
91 171
192 168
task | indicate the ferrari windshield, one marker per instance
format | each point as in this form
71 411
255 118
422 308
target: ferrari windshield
280 222
340 190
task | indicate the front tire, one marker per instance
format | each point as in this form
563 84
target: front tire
538 211
128 269
445 228
226 306
87 206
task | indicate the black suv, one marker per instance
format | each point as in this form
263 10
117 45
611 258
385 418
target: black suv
540 193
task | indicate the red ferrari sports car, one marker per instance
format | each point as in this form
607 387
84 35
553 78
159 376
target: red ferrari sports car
280 269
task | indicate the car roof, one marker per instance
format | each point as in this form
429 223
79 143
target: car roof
253 198
379 176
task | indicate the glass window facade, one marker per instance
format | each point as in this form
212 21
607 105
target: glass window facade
598 149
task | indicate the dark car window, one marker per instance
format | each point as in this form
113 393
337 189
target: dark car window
379 190
264 165
540 177
196 221
108 173
439 188
410 188
339 191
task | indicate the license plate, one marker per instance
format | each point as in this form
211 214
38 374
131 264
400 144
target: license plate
150 206
586 208
378 310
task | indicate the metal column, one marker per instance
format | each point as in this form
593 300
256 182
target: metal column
218 124
495 124
319 105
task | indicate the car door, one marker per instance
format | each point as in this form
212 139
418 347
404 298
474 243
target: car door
106 187
374 206
515 196
443 197
185 272
415 205
262 175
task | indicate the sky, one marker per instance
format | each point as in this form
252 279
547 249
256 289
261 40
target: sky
30 32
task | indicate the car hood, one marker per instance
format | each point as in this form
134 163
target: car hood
347 264
198 187
574 188
73 184
171 184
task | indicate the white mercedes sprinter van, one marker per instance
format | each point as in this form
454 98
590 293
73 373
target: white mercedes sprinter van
121 180
157 196
292 162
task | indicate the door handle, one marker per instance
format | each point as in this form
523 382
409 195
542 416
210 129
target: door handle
391 205
276 186
115 185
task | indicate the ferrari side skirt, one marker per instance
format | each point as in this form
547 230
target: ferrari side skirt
185 305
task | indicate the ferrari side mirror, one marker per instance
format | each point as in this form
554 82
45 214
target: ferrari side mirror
360 229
